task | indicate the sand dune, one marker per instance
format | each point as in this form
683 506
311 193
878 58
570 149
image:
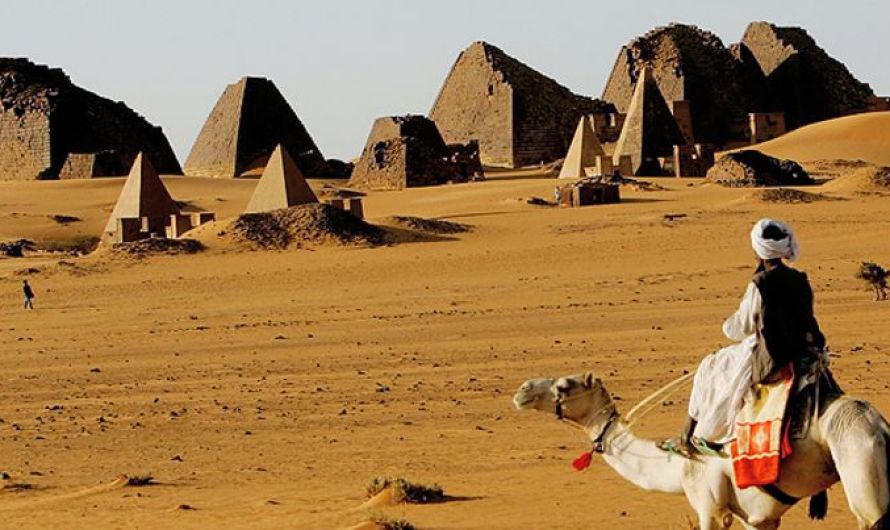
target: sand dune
860 137
266 388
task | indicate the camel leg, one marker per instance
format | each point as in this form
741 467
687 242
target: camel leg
714 521
861 462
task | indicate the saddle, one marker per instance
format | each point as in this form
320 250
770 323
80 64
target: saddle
779 411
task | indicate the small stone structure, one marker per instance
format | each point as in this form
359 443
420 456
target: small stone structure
588 192
607 125
766 126
145 209
586 156
520 117
408 151
650 131
282 185
50 128
750 168
248 121
691 160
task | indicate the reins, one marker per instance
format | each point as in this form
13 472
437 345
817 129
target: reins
598 442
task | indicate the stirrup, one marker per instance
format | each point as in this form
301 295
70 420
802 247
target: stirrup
674 446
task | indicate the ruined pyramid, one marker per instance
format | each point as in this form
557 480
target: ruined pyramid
519 116
51 128
144 201
247 122
804 81
650 130
583 152
281 186
688 64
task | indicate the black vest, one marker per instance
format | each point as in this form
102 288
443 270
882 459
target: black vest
789 327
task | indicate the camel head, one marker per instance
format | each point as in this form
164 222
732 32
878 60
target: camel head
535 394
582 399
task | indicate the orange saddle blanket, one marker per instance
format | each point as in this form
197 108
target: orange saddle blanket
761 441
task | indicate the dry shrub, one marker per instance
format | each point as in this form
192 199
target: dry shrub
387 523
405 491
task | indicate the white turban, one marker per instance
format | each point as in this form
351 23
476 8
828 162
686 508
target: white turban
786 248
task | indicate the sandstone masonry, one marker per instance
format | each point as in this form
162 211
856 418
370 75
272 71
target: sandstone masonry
51 128
519 116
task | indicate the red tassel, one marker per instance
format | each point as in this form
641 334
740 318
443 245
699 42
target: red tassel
582 462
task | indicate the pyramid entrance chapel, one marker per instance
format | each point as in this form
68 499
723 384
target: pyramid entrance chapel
145 209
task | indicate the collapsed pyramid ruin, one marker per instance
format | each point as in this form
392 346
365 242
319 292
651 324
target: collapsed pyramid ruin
408 151
800 78
281 186
248 121
697 75
50 128
650 131
750 168
584 152
519 116
144 209
774 80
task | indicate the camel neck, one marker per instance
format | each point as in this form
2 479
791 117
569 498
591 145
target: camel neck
639 461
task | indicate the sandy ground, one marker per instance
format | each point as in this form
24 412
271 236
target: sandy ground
859 137
264 389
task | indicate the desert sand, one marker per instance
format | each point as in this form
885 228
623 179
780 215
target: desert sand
264 389
856 137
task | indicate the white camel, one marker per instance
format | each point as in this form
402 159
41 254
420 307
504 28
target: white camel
848 442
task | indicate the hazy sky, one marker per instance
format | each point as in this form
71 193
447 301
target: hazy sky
343 63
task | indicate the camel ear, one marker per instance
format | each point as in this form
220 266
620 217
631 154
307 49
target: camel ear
588 380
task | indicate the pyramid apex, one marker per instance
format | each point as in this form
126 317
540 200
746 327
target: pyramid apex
282 185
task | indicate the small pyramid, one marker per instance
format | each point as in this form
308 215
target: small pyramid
650 130
143 195
583 151
281 186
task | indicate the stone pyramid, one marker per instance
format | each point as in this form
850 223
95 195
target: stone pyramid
143 195
583 151
51 128
281 186
250 118
518 115
650 130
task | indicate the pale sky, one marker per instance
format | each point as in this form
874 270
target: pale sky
343 63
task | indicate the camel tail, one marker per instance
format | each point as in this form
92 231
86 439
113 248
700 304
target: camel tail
819 506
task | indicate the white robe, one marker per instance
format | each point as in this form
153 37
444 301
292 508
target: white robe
724 378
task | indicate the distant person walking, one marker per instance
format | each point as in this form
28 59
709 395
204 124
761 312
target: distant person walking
29 295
